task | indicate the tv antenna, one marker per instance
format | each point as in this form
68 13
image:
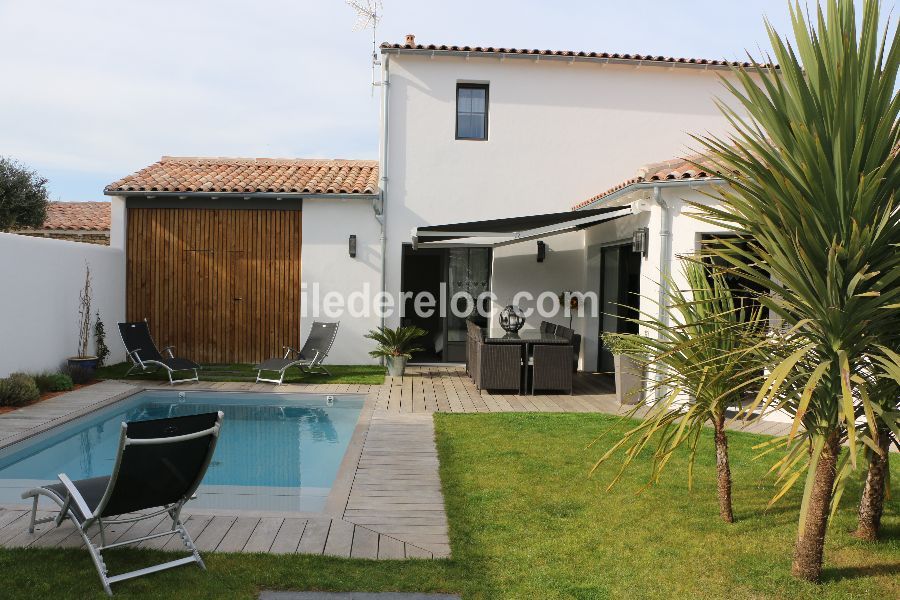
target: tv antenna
368 14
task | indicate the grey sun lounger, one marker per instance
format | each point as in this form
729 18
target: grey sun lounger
158 467
142 351
308 359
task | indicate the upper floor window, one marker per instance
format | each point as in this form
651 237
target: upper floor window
471 111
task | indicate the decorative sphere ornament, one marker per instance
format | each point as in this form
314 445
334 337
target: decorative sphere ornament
512 319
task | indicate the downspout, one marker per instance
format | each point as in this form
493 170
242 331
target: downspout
381 211
665 268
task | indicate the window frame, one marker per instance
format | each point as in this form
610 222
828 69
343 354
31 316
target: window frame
460 85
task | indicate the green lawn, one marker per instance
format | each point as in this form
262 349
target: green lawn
526 522
360 374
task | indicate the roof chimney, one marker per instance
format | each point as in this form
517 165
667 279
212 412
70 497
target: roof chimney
410 39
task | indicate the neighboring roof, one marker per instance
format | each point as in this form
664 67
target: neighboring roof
77 216
681 169
251 175
576 54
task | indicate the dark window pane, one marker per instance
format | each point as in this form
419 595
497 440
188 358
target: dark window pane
477 100
477 126
465 100
465 126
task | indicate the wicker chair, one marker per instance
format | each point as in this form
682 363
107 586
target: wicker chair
552 368
564 332
498 366
547 327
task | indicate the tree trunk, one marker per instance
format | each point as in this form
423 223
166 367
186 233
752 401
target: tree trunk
811 538
871 504
723 471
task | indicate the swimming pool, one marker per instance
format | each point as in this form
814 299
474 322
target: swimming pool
276 452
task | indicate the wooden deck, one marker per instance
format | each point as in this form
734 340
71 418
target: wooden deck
394 508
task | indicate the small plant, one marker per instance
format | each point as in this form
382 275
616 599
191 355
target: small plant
78 375
394 343
84 314
396 346
18 389
100 347
53 382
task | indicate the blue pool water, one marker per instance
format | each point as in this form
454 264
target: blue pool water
275 451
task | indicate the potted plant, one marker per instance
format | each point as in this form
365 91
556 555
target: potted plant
82 360
629 368
395 346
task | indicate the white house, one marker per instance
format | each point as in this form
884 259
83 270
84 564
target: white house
468 135
471 134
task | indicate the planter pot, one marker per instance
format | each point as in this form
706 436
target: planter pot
87 363
629 379
396 365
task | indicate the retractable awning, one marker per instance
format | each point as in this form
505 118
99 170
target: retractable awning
502 232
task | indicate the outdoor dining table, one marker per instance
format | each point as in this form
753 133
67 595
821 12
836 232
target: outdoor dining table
526 339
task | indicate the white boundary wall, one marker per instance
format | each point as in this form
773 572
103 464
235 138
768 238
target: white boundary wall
41 279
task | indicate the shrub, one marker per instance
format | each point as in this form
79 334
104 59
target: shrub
53 382
18 389
78 375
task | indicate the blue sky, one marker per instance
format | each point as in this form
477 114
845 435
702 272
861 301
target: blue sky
96 89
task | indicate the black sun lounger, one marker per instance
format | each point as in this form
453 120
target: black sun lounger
142 351
158 466
308 359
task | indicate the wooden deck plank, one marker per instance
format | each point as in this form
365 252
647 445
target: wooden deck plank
315 535
288 537
238 534
263 536
365 544
390 548
340 539
213 534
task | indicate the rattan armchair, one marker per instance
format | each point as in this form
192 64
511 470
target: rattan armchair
498 366
552 368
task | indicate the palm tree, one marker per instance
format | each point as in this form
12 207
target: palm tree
701 350
812 173
871 504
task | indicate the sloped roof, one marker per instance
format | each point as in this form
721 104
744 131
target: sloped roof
252 175
669 170
615 56
77 216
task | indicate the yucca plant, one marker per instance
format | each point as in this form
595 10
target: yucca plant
700 351
812 174
877 456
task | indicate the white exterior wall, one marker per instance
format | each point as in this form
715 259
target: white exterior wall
515 269
327 266
558 133
686 232
39 303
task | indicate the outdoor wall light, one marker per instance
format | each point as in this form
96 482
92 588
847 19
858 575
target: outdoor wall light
352 246
639 240
542 251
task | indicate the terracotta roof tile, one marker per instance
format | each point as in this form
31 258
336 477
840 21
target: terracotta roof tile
637 57
252 175
77 216
669 170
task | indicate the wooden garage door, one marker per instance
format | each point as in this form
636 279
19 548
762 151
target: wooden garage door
220 285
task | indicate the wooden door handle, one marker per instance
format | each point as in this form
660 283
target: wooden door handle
237 299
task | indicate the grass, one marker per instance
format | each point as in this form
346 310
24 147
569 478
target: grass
526 522
359 374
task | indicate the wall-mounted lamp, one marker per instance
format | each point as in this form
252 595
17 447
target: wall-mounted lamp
542 251
352 246
639 240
